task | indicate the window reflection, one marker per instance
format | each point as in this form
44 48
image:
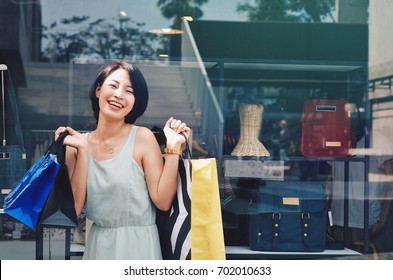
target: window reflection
53 48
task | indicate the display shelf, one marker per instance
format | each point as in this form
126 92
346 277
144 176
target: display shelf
241 204
288 85
243 252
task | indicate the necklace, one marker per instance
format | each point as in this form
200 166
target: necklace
109 149
103 145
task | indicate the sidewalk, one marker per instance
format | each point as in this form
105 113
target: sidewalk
25 250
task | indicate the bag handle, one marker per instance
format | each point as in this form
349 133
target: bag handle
188 153
57 148
13 106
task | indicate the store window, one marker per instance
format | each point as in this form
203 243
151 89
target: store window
264 60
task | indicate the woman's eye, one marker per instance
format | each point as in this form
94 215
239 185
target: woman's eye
112 86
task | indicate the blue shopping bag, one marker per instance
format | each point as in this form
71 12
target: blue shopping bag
27 198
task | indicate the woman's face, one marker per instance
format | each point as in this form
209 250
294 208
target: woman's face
116 95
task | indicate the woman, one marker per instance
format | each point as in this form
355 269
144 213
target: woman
118 170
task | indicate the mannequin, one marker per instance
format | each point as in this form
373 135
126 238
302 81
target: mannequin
250 125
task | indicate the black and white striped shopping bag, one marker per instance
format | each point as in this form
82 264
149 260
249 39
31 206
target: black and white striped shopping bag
175 225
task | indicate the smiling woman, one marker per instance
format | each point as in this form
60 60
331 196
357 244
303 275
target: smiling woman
117 171
138 88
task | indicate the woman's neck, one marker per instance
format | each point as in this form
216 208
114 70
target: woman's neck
110 129
110 136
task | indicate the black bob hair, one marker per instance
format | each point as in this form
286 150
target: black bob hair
138 83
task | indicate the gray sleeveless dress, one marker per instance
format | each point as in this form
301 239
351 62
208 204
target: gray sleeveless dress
119 205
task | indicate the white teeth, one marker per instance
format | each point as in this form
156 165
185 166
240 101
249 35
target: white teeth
115 104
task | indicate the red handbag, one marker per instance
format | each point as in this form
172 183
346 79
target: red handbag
325 128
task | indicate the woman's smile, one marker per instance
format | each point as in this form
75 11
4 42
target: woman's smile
115 105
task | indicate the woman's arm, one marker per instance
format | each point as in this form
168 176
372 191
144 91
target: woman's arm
162 179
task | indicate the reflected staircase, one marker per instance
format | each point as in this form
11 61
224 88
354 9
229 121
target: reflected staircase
56 91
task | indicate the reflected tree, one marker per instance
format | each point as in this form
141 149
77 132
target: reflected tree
60 42
288 10
102 41
176 9
120 38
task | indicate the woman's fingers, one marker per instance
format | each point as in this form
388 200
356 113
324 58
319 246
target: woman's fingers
178 127
71 131
174 124
168 122
59 131
187 131
62 129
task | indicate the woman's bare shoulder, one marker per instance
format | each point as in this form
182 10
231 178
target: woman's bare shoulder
144 134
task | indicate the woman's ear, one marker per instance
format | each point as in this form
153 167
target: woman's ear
98 89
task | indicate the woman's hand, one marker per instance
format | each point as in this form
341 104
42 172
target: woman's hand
172 130
73 139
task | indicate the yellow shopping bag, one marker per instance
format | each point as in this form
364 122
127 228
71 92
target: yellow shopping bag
207 236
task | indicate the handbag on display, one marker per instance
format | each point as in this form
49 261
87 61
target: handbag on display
325 128
290 216
12 157
27 198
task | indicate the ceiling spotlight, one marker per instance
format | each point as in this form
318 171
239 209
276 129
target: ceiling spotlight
188 18
169 31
